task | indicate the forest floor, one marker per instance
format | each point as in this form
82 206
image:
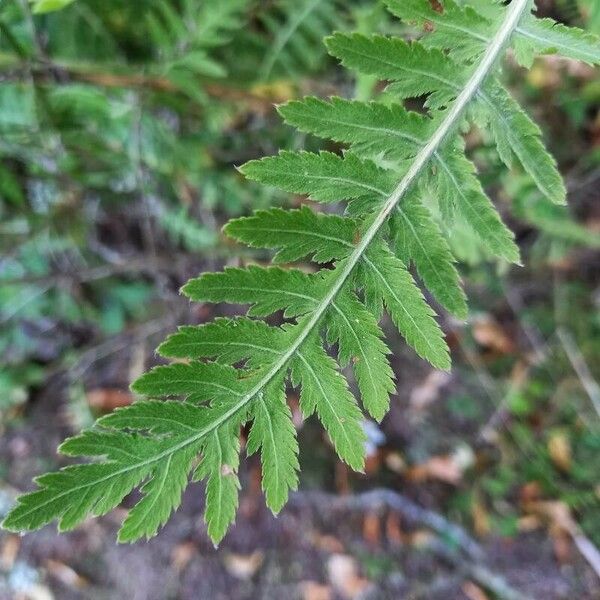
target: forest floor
324 545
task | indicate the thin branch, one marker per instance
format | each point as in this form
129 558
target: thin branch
383 499
588 551
121 78
469 561
577 360
480 574
133 266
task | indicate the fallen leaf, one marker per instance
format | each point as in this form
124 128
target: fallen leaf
278 92
474 592
182 554
327 543
244 566
544 74
297 416
481 518
137 365
395 462
445 469
372 463
559 449
489 334
422 538
65 574
10 550
315 591
557 514
561 544
107 399
393 529
428 392
441 468
529 523
530 492
343 575
372 528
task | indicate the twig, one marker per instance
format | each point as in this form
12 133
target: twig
134 266
120 341
469 561
533 335
90 274
381 499
588 551
479 573
580 367
92 73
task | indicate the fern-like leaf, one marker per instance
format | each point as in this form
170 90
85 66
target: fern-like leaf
396 165
274 435
296 28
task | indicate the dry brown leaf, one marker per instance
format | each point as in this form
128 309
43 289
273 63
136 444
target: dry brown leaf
297 416
474 592
182 554
277 92
328 543
442 468
489 334
422 538
563 529
519 374
315 591
393 529
557 514
559 448
481 518
9 552
137 364
428 392
562 546
529 523
540 76
448 468
343 575
372 528
65 574
107 399
395 462
373 463
530 492
244 566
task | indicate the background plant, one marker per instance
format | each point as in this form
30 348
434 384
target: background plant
103 122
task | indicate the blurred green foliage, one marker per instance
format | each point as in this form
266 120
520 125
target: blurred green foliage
120 125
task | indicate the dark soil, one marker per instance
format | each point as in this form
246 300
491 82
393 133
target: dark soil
262 557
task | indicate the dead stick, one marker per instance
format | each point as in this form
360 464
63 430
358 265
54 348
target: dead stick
380 499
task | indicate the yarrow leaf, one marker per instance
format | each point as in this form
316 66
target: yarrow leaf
314 318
